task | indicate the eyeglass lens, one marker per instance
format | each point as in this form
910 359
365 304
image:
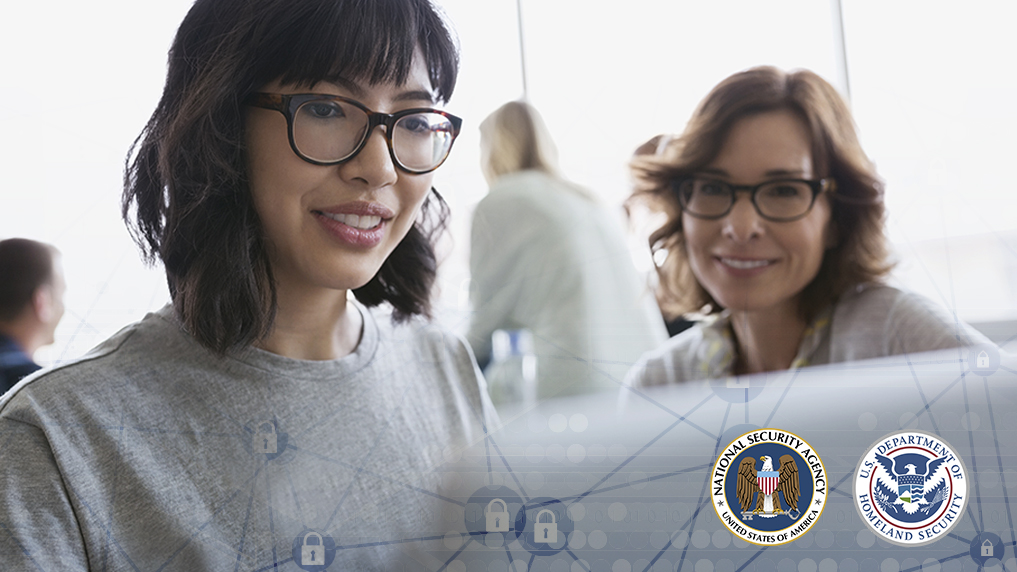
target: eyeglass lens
777 199
328 130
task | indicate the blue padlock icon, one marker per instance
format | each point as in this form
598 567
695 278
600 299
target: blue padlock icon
266 440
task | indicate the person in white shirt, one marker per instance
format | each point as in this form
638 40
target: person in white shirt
545 255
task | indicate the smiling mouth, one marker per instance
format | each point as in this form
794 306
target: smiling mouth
744 264
361 222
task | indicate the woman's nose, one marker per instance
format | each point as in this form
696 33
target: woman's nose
743 222
373 164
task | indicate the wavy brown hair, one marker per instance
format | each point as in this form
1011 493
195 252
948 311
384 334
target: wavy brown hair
857 210
186 195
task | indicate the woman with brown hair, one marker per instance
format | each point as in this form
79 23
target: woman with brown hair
774 236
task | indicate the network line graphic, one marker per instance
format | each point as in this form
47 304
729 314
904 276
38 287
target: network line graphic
937 392
583 484
629 490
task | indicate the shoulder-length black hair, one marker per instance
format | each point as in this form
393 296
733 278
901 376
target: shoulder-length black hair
186 195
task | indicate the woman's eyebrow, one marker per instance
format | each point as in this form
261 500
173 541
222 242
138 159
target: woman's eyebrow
347 85
769 173
357 91
416 95
714 171
784 172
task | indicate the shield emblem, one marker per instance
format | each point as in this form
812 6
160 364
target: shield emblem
767 481
904 492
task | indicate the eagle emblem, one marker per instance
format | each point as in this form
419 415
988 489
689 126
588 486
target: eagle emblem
911 473
765 502
765 484
910 487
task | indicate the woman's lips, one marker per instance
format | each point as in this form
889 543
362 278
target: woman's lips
744 267
358 224
745 263
364 222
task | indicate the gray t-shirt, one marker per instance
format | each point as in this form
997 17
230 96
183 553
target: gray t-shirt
868 321
151 453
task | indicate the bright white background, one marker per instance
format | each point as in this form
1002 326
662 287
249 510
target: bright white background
931 86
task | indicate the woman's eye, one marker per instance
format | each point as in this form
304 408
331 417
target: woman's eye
784 191
712 189
415 124
322 110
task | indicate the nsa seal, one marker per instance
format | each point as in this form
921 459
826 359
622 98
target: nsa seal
910 488
769 487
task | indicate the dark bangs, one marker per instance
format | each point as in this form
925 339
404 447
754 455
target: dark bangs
361 40
186 194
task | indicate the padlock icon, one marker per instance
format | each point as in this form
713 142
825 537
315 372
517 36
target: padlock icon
497 516
266 440
545 532
987 548
983 363
312 554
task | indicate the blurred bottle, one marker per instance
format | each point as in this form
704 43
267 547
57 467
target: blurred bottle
512 373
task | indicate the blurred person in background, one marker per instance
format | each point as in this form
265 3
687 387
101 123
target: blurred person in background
31 305
547 257
774 238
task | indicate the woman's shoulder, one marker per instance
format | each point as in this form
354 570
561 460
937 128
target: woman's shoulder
95 375
874 320
878 303
536 191
684 357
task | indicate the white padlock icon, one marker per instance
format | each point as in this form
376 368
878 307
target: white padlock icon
312 554
266 441
497 520
545 532
987 548
983 360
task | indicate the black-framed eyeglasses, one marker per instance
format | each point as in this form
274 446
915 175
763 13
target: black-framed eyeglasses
782 200
330 129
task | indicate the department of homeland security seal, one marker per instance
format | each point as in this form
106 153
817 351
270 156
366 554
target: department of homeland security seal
910 487
768 487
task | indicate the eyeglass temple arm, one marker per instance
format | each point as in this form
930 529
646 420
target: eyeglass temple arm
267 101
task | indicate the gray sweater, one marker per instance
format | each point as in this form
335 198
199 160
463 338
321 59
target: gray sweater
151 453
867 322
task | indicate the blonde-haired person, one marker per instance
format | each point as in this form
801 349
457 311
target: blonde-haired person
547 257
774 235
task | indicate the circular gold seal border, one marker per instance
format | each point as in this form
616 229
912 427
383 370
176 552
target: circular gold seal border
785 535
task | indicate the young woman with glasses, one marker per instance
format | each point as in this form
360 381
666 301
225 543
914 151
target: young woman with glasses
266 416
774 237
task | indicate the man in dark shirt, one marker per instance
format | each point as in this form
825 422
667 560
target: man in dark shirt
31 304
